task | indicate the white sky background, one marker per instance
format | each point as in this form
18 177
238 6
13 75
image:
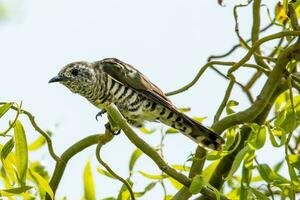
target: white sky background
167 40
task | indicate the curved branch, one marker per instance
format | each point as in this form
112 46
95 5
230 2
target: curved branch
237 45
98 156
67 155
149 151
209 64
257 44
266 93
39 130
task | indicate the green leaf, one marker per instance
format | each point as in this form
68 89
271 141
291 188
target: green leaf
109 198
8 166
177 185
230 104
209 170
149 187
257 136
171 130
197 184
40 169
258 194
199 119
289 124
105 173
134 157
5 108
43 185
124 193
88 183
187 109
154 177
237 161
147 131
294 160
38 143
14 191
277 132
269 175
278 166
21 152
181 168
7 148
230 135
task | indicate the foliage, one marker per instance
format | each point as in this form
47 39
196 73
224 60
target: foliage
234 173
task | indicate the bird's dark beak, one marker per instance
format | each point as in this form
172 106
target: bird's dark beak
57 78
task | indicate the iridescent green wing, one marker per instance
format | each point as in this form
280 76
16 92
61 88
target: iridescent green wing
129 76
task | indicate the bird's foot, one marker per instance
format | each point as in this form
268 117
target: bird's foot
99 114
108 127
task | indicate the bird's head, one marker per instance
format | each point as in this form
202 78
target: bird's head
79 77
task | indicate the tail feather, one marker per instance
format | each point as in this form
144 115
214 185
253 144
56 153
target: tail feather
204 136
196 131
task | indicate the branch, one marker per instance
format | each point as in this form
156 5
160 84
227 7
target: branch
266 93
209 64
149 151
225 99
39 130
258 43
225 164
98 156
68 154
237 45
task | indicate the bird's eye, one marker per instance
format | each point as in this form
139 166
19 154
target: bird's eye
74 72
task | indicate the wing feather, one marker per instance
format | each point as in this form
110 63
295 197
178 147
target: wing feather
129 76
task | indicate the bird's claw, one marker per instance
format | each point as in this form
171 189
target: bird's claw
108 127
99 114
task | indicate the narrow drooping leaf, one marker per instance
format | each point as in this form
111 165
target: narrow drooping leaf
21 152
14 191
181 168
199 119
124 193
177 185
105 173
43 185
259 195
7 148
230 104
88 183
197 184
149 187
9 168
209 170
184 109
277 132
257 137
294 160
38 143
237 161
171 130
4 108
269 175
147 131
134 157
154 177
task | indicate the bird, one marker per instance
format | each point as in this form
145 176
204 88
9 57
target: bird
112 81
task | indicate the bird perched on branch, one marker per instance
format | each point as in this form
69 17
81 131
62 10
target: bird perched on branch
113 81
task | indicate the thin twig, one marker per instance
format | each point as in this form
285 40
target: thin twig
106 166
225 99
39 130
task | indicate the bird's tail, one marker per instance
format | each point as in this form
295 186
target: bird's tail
195 131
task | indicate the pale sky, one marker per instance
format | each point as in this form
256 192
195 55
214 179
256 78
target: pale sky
166 40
